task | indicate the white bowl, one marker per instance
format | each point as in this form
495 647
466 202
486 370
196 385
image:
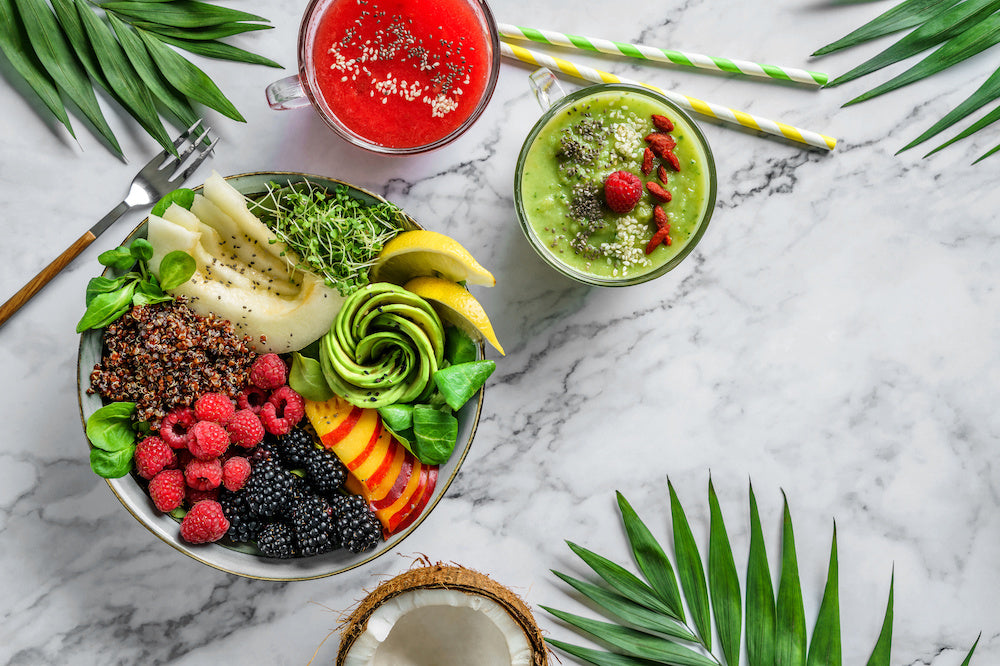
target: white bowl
242 559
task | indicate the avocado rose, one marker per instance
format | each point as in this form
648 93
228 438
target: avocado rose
384 347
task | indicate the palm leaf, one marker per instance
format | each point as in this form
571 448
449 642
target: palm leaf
59 61
988 119
824 647
723 583
220 50
598 657
965 45
180 13
621 579
760 611
936 30
122 77
15 45
968 657
208 32
991 151
904 15
635 643
790 635
629 611
137 54
653 562
989 91
187 77
883 646
72 25
690 570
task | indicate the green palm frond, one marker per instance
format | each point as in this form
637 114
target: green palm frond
959 29
648 624
65 49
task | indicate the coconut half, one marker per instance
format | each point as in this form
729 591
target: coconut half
441 616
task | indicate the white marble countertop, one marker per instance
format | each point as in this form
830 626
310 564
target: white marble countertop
834 337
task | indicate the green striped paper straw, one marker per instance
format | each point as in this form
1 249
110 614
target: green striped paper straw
700 106
642 52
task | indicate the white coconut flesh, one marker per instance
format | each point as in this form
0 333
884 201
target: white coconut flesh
441 615
440 628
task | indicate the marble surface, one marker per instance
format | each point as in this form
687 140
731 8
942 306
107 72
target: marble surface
834 338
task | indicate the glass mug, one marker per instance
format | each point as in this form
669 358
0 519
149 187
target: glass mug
540 199
373 82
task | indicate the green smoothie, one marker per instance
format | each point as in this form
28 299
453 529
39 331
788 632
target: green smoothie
561 180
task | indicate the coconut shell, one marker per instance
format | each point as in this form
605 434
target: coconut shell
440 576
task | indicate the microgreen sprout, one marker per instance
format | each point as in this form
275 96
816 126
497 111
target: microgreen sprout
335 235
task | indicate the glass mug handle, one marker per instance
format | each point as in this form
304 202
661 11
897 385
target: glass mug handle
287 93
545 86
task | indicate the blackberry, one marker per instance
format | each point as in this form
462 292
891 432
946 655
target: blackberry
311 521
295 448
269 488
325 471
276 540
243 525
357 529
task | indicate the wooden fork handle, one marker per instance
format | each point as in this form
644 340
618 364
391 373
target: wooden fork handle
44 276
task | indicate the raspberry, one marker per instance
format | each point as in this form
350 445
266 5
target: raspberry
194 496
176 426
245 429
268 372
203 474
205 522
622 191
282 411
215 407
152 455
235 473
208 440
167 489
252 398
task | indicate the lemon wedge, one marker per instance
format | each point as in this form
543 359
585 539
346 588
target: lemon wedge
455 305
424 253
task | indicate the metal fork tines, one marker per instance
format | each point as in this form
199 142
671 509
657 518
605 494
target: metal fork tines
162 175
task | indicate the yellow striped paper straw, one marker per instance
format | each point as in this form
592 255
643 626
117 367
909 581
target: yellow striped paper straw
694 104
643 52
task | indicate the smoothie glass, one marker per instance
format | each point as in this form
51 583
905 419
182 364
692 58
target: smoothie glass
553 101
303 89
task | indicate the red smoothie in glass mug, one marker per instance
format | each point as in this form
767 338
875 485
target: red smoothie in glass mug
402 73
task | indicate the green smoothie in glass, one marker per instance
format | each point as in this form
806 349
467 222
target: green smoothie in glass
560 185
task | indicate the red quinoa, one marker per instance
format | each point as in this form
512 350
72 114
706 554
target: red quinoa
164 356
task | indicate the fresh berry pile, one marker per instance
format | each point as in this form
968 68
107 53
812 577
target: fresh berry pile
247 470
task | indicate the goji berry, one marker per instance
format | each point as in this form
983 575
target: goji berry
647 161
658 192
663 123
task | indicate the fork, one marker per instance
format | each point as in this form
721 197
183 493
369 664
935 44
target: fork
162 175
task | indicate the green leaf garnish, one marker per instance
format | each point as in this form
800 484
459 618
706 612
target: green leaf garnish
458 383
434 435
458 346
110 427
176 268
397 417
112 464
182 196
306 378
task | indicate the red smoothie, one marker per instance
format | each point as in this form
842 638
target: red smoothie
402 73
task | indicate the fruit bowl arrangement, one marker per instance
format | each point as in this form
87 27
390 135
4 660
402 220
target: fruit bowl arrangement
314 415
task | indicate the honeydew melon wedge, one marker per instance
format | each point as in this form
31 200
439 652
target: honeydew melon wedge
243 274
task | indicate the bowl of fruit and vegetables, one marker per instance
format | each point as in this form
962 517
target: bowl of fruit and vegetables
280 374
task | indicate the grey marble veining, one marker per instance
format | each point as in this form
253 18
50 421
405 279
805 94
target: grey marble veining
834 337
